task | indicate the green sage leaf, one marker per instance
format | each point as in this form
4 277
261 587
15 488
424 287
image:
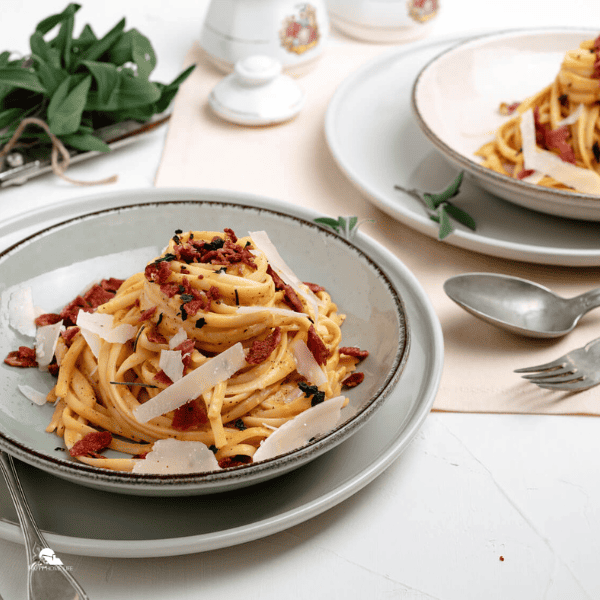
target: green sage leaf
19 77
458 214
85 142
52 21
446 227
434 200
67 104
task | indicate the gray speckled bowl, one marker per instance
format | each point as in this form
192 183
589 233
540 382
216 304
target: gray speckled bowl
122 229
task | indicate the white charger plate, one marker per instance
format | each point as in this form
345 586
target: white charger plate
177 525
457 95
376 141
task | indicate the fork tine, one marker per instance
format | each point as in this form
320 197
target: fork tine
577 385
559 362
549 373
575 376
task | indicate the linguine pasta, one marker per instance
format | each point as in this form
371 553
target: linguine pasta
567 123
208 295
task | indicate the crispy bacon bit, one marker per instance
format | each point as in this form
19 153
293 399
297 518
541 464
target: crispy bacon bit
218 251
186 348
353 380
234 461
353 351
290 296
553 139
317 346
147 314
314 287
158 272
47 319
162 377
24 357
98 294
261 349
190 416
155 337
523 173
169 289
91 443
69 335
596 151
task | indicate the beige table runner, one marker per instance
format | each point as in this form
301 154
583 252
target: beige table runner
292 162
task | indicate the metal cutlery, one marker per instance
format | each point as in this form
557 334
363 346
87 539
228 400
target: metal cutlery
575 371
47 577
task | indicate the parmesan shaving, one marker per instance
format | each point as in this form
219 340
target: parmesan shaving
292 435
21 312
178 338
194 384
45 344
171 363
572 118
265 245
582 180
170 456
102 325
306 364
35 396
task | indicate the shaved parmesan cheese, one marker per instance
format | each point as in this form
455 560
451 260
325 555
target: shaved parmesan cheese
265 245
36 397
292 435
102 326
21 312
170 456
270 309
195 383
306 364
572 118
178 338
582 180
171 363
45 344
92 340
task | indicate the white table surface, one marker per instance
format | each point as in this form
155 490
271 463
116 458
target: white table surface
479 506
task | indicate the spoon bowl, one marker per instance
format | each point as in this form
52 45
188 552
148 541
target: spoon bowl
518 305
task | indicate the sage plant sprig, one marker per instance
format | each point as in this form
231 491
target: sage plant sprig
440 209
76 85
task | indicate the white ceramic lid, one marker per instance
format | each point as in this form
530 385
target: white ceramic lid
257 93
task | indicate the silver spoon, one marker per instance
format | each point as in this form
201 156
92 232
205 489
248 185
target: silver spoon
48 580
518 305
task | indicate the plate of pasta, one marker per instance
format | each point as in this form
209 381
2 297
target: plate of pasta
520 112
193 346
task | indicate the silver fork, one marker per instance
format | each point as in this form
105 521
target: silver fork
575 371
46 579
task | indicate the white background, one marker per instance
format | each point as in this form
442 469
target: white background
469 490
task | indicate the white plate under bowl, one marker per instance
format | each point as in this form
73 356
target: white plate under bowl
373 136
167 526
59 262
457 95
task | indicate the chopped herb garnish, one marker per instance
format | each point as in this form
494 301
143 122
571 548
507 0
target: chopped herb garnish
201 322
176 239
147 385
160 318
168 257
216 244
237 298
440 208
221 270
213 448
137 337
183 313
239 424
178 231
344 226
186 297
312 390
